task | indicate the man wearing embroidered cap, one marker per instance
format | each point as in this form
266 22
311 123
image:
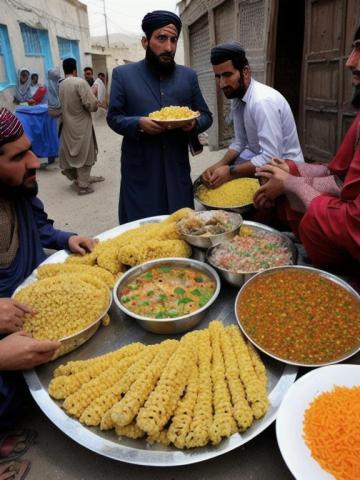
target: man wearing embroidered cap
25 231
264 125
155 169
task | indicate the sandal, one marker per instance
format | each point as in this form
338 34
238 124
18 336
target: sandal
85 191
96 179
14 443
15 470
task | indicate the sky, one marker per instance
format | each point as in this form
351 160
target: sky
123 16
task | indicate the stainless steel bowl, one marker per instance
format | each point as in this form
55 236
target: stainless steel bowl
208 241
168 325
321 273
239 278
244 208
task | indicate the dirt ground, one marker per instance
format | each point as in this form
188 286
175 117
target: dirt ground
97 212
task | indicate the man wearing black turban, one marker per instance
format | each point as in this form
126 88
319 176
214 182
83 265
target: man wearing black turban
155 169
264 125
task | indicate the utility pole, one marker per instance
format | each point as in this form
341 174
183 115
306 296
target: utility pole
106 26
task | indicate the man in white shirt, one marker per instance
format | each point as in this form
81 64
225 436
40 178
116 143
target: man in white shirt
263 122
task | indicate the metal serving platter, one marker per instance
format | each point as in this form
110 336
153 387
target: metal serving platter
321 273
243 208
122 331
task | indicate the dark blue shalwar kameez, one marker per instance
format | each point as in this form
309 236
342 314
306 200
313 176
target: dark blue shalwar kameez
155 169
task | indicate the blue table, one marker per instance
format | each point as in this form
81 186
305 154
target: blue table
40 128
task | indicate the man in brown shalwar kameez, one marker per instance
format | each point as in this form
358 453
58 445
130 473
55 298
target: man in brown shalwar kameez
78 147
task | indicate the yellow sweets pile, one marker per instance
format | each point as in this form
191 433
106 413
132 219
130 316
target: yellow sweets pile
230 194
148 242
173 113
63 305
186 393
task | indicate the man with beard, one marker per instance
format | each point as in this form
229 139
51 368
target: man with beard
264 125
155 168
322 203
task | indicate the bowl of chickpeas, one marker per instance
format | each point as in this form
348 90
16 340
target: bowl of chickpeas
66 308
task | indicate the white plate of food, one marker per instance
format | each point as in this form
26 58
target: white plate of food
290 419
174 116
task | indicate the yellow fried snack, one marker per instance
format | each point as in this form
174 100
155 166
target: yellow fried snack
230 194
63 306
187 394
173 113
256 393
135 253
52 269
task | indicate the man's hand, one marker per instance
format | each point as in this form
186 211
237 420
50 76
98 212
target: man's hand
191 124
82 245
11 315
219 176
20 351
278 162
273 188
272 171
150 126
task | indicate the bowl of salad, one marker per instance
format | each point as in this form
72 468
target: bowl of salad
257 247
168 295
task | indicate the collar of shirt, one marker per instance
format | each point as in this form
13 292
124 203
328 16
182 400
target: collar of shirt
248 92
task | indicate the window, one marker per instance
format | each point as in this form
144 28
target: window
69 49
7 68
36 44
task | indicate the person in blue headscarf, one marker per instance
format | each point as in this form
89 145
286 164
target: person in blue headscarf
155 168
23 84
54 105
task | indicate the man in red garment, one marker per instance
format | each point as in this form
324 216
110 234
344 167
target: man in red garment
322 203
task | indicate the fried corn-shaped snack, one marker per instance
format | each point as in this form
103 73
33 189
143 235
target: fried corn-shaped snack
241 409
132 374
178 215
199 430
63 306
162 401
129 431
96 410
160 437
258 365
255 392
69 378
87 259
106 320
223 424
134 254
52 269
108 259
124 412
76 403
181 421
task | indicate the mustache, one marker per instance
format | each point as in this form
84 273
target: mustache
31 172
356 73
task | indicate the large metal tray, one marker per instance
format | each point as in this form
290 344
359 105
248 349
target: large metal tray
121 331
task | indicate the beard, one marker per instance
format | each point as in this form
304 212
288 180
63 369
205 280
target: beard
12 193
238 92
356 97
162 64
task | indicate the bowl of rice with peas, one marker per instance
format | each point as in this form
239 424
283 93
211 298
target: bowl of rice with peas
236 195
257 247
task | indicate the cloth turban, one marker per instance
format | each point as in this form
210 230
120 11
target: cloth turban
227 51
157 19
10 127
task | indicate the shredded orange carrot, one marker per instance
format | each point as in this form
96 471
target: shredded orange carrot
332 431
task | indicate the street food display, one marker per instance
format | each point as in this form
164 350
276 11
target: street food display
251 251
167 291
300 315
333 419
132 396
174 113
232 194
187 393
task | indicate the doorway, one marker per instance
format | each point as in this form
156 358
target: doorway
289 52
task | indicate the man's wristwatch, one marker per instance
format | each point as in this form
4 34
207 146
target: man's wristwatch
232 169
